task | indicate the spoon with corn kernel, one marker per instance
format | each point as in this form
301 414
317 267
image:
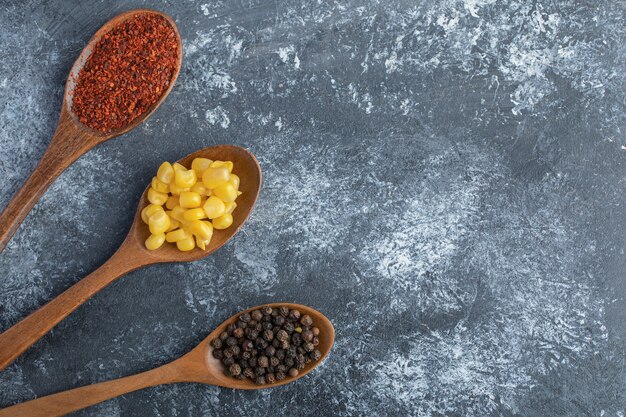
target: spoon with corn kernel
197 366
134 254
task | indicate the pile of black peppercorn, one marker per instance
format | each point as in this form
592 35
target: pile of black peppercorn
267 345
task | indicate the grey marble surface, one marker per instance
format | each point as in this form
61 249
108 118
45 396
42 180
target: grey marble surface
443 179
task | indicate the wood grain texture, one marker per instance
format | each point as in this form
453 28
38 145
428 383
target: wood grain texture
132 254
198 365
72 139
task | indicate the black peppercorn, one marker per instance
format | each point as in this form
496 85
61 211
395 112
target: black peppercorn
223 336
260 343
291 352
296 339
267 325
245 317
234 369
268 335
256 315
236 350
216 343
307 335
289 327
289 362
284 344
283 311
270 378
253 334
260 371
294 315
260 380
247 345
231 341
315 355
274 361
282 335
218 353
309 347
280 376
252 362
266 310
278 320
306 320
258 327
228 352
230 328
263 362
315 341
248 372
270 351
228 361
280 354
243 363
242 324
300 349
238 333
300 359
276 343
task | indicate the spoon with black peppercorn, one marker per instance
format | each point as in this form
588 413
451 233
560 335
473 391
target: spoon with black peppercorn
199 365
72 137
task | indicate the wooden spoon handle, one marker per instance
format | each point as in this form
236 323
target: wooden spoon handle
67 145
21 336
65 402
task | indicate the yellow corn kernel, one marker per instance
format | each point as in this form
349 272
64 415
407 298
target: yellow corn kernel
165 173
214 207
223 222
178 167
200 165
177 213
234 180
189 199
202 229
225 192
155 241
186 244
177 235
176 190
174 224
156 197
148 211
201 243
227 164
194 214
200 188
230 207
185 179
172 201
159 185
159 222
214 177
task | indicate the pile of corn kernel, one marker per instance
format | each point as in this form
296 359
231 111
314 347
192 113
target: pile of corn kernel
207 190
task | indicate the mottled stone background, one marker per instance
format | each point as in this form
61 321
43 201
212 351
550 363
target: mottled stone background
443 179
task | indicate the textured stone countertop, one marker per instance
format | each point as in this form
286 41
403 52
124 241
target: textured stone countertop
445 180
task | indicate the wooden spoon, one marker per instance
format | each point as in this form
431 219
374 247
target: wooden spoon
199 366
132 254
72 138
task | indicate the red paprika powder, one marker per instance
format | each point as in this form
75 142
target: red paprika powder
129 70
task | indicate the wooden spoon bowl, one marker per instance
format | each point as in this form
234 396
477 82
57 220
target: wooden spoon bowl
133 254
72 138
196 366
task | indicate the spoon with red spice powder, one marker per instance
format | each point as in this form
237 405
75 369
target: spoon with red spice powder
123 74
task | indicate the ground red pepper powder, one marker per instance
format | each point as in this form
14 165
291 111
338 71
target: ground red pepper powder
129 70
